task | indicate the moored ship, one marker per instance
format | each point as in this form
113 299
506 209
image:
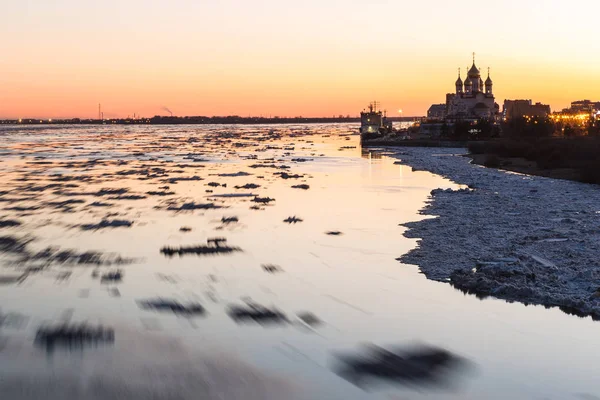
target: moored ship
374 122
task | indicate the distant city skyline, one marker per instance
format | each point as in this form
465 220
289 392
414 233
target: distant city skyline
322 58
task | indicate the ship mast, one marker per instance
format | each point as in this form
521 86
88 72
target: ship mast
374 107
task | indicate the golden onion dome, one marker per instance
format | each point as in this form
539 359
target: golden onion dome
473 72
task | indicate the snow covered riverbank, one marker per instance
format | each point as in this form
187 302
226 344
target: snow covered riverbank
520 238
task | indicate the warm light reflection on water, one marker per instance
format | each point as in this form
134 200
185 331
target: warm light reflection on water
350 282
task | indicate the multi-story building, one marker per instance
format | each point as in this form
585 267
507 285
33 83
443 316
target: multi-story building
584 106
437 112
524 108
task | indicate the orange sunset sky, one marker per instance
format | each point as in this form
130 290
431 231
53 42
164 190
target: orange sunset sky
61 58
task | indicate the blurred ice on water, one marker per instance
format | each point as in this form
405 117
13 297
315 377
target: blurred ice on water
141 366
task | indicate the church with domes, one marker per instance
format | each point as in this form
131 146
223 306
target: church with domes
474 98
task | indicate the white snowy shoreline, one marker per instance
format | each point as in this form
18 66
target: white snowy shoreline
519 238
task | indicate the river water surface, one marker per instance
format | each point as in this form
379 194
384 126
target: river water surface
59 183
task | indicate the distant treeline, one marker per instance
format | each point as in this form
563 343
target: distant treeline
577 153
234 119
519 128
551 144
198 120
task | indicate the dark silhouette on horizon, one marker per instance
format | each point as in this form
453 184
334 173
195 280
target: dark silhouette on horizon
193 120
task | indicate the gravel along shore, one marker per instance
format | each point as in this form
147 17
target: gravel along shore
515 237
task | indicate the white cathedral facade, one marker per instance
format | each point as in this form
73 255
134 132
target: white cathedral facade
473 99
